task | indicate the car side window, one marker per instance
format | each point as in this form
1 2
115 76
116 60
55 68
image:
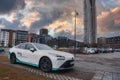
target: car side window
29 46
22 46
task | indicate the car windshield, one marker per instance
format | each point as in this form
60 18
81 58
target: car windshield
42 47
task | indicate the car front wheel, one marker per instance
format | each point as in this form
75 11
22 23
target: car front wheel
13 58
45 64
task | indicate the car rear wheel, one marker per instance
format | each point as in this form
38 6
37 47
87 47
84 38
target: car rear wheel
13 58
45 64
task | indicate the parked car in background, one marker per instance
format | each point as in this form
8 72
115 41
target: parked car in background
95 49
89 50
117 50
110 50
41 56
105 50
2 50
101 50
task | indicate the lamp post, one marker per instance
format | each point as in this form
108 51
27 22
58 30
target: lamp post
76 13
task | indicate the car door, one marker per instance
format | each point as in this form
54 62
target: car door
19 52
29 55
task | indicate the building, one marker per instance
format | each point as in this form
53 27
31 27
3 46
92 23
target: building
7 37
43 32
101 41
21 36
62 41
30 37
90 22
113 42
43 37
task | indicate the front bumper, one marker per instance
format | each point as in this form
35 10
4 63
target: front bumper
69 64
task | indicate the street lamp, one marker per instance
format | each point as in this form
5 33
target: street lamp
76 13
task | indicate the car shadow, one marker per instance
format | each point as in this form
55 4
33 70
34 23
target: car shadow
57 71
62 71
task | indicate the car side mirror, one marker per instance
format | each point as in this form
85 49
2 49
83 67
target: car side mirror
32 50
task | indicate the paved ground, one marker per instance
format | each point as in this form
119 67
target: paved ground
104 66
100 62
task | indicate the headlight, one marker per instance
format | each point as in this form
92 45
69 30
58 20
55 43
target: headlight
59 57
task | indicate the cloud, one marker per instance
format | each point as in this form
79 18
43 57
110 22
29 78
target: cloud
109 21
106 5
67 26
46 18
57 15
11 25
12 16
29 19
2 26
79 37
46 13
7 6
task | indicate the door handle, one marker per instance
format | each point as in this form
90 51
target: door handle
19 53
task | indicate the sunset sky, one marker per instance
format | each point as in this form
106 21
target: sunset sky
58 16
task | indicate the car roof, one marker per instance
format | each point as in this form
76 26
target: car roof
31 43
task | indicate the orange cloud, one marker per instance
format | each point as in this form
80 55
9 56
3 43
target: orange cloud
66 26
30 18
12 17
117 21
116 10
109 21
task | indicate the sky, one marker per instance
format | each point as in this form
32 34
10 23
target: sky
58 16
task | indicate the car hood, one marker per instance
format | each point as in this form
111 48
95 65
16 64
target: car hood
61 53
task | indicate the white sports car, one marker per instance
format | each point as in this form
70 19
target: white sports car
41 56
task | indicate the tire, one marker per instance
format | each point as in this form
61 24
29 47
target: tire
12 58
45 64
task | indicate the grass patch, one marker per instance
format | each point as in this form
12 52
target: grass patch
3 58
12 73
3 71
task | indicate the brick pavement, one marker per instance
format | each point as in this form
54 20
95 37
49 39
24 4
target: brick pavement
53 75
106 76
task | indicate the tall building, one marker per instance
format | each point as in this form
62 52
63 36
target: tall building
21 36
90 21
7 37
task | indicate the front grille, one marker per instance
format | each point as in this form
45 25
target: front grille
67 64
